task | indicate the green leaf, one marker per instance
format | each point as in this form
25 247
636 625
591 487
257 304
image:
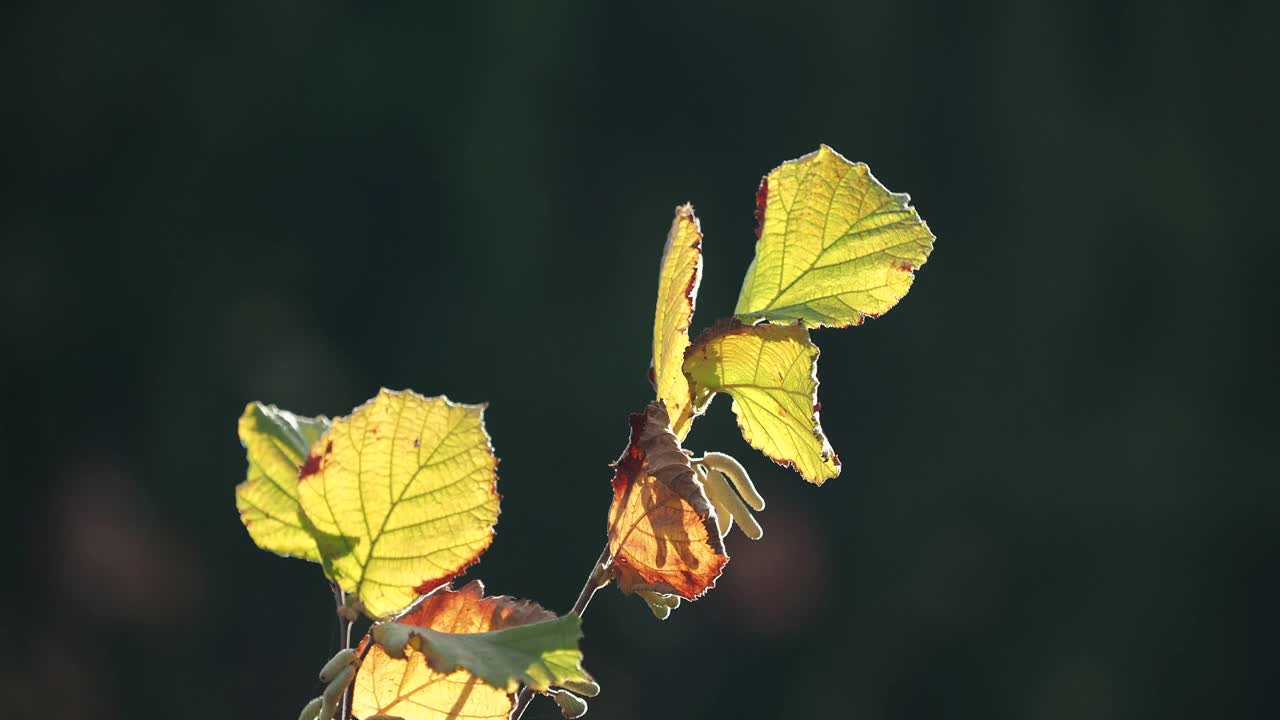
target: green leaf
539 655
835 246
407 486
427 663
276 441
771 371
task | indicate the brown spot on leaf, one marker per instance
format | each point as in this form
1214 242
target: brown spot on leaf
311 465
427 586
762 201
691 287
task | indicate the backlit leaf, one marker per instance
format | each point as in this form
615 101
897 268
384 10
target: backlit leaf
771 373
678 280
408 485
540 655
276 441
662 530
834 245
466 657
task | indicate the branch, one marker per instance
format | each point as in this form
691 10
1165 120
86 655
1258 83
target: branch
600 575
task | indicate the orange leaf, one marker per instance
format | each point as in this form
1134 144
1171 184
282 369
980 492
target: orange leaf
411 689
662 529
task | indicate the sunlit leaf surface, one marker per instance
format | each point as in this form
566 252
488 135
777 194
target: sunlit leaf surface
540 654
407 485
771 373
500 639
276 441
834 245
678 280
662 530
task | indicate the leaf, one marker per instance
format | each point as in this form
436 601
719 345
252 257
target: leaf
276 441
408 484
834 245
662 529
540 654
771 371
678 280
467 655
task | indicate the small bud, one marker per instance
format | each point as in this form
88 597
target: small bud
724 519
311 710
661 605
733 470
331 669
338 685
583 687
571 706
328 708
728 503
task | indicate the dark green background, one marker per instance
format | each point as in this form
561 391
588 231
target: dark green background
1058 498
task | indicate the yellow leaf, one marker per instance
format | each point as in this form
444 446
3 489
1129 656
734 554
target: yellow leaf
276 441
834 245
407 484
411 689
678 281
771 373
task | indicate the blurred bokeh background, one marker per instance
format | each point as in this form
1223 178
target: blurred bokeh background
1058 499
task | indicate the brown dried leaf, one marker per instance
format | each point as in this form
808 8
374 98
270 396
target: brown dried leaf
662 529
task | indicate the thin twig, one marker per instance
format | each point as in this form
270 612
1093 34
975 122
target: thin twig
344 639
344 625
598 578
349 694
